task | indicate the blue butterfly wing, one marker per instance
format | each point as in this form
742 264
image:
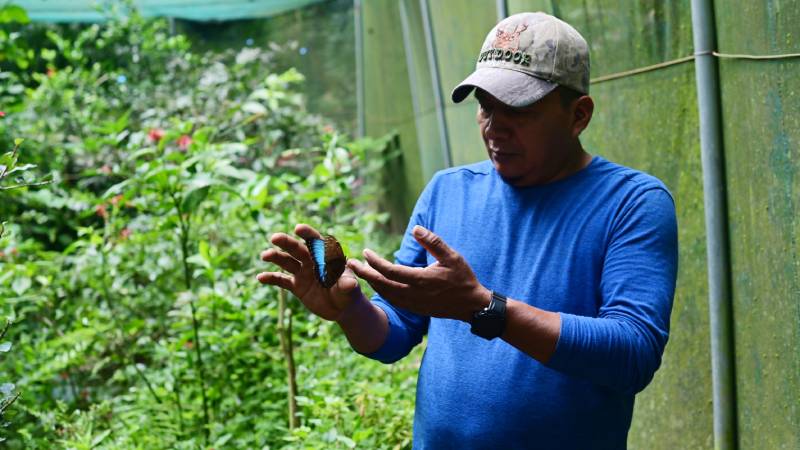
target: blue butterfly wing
317 248
328 258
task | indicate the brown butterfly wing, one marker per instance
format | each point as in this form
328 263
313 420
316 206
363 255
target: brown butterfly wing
334 261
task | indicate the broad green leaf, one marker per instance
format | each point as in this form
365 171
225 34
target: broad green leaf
117 188
99 438
194 197
254 108
20 285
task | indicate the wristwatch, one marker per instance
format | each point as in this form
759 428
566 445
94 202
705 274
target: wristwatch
490 322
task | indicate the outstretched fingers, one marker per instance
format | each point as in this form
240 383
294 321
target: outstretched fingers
282 259
436 246
279 279
380 283
393 272
293 247
306 231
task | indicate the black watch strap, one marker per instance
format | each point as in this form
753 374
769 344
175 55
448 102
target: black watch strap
498 303
490 322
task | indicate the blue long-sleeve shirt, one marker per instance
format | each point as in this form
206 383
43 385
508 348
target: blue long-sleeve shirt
600 248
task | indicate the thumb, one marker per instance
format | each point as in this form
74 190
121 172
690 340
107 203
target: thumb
347 282
434 244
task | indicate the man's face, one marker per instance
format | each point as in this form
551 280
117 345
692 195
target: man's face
527 145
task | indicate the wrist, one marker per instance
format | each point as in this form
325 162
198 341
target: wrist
477 302
490 322
351 311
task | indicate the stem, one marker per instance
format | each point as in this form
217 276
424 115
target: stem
146 382
5 329
178 402
285 335
187 278
7 403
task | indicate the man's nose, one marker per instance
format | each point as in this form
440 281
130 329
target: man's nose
496 126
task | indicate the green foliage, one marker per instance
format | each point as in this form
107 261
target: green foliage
131 278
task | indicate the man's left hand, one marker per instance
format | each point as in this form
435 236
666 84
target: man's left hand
447 288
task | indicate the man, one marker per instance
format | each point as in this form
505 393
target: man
543 277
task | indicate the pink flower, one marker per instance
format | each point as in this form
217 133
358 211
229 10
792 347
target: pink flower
125 233
2 114
106 169
116 199
155 134
184 142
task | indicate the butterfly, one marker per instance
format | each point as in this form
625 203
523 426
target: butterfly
328 259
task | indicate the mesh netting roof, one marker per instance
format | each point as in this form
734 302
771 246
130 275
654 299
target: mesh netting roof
200 10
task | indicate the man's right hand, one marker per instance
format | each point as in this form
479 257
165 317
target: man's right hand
301 280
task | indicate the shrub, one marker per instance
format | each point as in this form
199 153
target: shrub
130 278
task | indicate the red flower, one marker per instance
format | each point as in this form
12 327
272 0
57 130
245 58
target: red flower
2 114
184 142
101 211
155 134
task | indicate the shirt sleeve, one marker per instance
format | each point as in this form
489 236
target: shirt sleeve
622 347
406 329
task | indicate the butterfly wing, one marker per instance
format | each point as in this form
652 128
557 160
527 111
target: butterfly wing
317 249
334 261
328 258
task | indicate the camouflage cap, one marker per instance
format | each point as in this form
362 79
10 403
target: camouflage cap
525 57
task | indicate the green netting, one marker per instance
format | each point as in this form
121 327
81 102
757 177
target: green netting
388 100
762 155
431 154
200 10
457 47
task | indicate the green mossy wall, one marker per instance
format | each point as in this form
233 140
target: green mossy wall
761 117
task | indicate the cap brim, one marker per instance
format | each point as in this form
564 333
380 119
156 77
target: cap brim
511 87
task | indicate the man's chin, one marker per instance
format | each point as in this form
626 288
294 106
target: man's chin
510 175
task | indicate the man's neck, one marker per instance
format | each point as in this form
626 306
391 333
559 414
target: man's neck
580 160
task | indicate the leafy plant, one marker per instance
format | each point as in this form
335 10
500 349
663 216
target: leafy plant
138 320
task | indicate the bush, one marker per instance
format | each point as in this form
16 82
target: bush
130 278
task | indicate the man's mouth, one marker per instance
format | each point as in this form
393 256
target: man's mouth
501 156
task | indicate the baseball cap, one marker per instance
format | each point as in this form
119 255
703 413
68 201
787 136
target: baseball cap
525 57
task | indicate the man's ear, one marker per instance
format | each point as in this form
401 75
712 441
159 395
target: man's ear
581 114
